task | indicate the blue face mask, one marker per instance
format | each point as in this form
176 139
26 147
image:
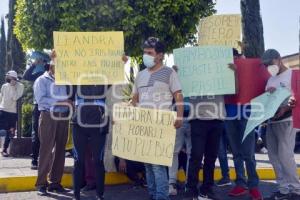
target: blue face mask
148 61
39 68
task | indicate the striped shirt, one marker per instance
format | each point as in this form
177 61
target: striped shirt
156 89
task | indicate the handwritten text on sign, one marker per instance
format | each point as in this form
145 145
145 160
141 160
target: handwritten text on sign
144 135
88 58
204 70
220 30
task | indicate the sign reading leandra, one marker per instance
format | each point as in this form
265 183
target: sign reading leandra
220 30
144 135
89 58
204 70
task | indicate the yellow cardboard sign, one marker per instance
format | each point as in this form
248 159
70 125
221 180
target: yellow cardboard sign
89 58
220 30
144 135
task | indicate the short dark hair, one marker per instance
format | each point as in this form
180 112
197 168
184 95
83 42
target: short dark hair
269 55
153 42
47 66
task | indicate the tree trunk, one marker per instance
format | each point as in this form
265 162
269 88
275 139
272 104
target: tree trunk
15 54
253 37
2 52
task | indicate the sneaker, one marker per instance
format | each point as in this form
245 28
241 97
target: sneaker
89 188
279 196
224 182
264 150
255 194
209 196
172 190
4 154
56 188
42 191
34 165
238 191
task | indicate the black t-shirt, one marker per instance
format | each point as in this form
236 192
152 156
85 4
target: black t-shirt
89 104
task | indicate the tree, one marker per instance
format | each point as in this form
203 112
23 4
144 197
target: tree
253 36
174 22
15 54
2 52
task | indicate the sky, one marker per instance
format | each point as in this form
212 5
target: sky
280 20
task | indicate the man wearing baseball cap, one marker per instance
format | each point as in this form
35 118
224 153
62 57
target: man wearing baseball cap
280 132
11 91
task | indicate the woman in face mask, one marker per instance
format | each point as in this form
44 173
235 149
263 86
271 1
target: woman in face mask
11 91
280 133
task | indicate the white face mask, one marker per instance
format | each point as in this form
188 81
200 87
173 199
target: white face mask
148 61
273 70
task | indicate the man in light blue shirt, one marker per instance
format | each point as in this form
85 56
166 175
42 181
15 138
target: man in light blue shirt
54 106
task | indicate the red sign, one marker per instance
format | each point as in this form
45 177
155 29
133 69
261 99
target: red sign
252 79
296 93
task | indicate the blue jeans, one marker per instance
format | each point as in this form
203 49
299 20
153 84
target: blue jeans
242 152
222 155
157 180
183 137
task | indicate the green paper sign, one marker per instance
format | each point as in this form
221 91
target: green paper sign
204 70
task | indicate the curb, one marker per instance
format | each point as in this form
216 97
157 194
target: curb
26 183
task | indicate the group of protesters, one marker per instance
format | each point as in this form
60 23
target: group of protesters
201 134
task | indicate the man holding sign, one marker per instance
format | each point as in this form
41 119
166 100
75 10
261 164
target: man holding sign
280 132
155 87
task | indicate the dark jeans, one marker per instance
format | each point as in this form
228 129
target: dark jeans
7 121
95 138
222 155
205 136
35 135
242 152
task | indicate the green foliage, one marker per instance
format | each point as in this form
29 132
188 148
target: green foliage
174 22
28 92
253 34
26 119
2 52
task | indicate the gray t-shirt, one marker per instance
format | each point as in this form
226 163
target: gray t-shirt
207 108
156 89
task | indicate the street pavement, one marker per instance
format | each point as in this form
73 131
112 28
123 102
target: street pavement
127 192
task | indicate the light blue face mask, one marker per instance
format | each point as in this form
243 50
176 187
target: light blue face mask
148 61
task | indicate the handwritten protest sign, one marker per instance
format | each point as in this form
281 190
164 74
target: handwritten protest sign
144 135
252 80
89 58
296 94
264 107
204 70
220 30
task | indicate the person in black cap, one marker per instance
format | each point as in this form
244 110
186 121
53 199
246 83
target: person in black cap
280 132
32 72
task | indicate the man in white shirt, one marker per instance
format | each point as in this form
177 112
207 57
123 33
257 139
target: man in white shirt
11 91
280 132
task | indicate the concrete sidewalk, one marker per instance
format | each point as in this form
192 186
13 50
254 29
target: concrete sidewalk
126 192
19 167
16 175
